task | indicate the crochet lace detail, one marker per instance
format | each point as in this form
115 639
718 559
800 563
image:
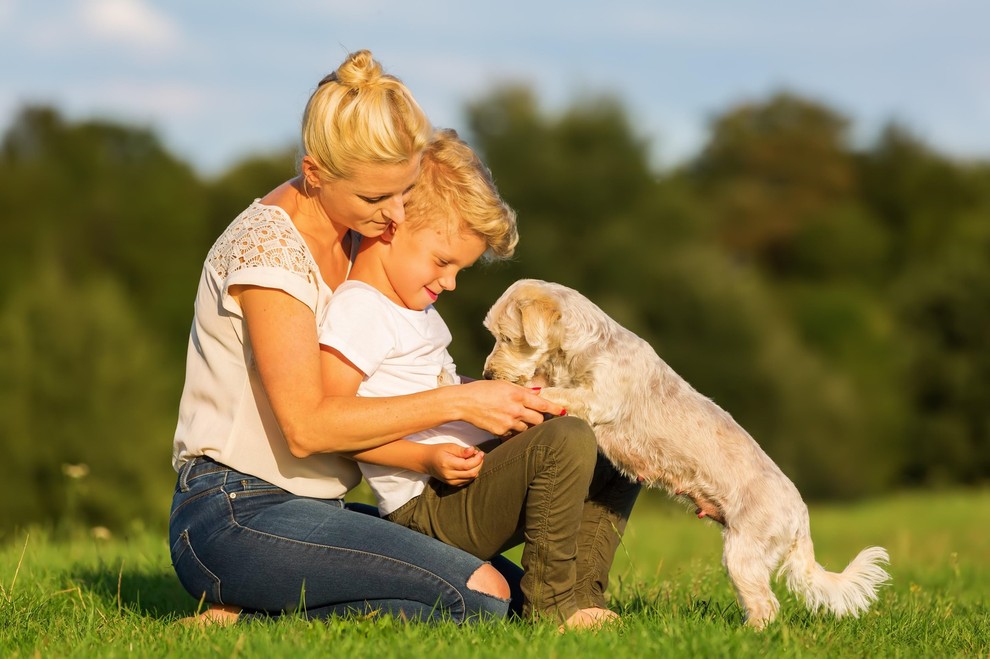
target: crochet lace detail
262 237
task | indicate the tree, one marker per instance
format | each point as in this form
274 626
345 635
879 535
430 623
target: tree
916 194
84 385
943 304
100 197
769 168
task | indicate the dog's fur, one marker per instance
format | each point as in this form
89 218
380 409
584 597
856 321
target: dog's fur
655 427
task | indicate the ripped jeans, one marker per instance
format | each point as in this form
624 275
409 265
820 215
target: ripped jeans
549 488
242 541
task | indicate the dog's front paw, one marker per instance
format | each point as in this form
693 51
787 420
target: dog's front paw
570 399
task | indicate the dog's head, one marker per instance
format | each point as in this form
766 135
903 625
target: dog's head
540 328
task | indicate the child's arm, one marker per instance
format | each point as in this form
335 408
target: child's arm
451 463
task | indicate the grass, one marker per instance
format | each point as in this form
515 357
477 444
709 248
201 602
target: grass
86 596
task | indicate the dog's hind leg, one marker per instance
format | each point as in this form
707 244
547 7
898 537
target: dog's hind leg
748 569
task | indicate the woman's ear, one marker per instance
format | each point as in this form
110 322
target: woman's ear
310 175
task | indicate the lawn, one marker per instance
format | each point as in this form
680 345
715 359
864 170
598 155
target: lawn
89 595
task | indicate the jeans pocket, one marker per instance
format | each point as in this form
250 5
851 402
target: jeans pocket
195 577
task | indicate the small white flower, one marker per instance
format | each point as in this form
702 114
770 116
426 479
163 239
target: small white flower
101 533
75 472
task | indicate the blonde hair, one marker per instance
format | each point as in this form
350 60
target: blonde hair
358 114
456 188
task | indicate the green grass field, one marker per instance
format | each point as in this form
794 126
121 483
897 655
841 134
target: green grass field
90 596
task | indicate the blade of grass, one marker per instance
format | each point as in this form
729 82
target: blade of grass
10 596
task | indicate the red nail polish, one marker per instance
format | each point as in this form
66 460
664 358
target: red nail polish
536 390
563 413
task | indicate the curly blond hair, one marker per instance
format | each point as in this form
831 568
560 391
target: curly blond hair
454 187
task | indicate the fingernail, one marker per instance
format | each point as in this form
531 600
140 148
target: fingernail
536 390
563 413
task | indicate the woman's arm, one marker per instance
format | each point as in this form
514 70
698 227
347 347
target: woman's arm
452 463
282 334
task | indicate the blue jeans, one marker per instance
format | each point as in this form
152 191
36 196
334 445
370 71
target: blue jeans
242 541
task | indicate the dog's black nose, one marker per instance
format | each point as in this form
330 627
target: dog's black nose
487 375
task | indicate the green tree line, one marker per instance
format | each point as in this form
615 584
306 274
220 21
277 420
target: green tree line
834 298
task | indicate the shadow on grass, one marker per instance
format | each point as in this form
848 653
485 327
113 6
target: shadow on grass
145 591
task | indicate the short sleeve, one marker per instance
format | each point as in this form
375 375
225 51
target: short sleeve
359 326
261 248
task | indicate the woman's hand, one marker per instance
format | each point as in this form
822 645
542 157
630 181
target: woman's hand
454 464
502 408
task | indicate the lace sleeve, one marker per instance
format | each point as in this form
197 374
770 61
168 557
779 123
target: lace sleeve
262 248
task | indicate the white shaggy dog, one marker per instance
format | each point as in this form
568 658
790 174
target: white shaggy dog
655 427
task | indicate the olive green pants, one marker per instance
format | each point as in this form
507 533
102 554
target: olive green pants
550 489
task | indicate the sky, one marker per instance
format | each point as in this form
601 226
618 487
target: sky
218 80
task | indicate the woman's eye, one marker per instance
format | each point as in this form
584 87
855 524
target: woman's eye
373 200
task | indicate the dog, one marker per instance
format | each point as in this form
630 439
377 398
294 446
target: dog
654 427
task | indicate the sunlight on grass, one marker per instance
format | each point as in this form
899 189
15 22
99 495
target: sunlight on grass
97 595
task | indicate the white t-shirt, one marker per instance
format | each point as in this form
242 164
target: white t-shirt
224 412
400 351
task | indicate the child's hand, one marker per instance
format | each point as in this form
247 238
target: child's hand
454 464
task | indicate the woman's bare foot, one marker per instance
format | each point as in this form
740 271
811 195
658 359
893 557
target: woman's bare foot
216 614
591 618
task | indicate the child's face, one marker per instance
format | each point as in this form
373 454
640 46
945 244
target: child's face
423 262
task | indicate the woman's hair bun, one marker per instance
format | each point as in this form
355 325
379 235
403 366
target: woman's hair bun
358 70
360 114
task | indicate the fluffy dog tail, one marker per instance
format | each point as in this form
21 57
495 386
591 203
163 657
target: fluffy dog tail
849 592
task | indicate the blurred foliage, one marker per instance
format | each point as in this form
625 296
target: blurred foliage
836 300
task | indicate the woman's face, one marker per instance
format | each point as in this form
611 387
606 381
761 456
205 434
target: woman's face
372 199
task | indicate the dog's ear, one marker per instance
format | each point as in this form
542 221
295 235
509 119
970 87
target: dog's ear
540 315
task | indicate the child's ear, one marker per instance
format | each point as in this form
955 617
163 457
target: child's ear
389 233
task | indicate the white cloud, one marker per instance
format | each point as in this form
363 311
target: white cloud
162 100
82 27
129 22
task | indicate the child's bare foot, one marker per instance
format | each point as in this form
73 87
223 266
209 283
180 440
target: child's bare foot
216 614
591 618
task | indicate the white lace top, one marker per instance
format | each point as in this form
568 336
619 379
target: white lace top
224 412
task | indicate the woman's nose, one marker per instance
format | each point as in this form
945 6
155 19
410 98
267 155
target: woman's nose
395 210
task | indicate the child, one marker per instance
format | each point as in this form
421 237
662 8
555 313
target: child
383 337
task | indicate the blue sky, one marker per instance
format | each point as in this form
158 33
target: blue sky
219 79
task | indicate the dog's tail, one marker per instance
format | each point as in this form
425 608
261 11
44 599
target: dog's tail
849 592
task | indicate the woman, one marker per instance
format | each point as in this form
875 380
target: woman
258 523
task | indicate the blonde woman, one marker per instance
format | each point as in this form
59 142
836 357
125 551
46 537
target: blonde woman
258 523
